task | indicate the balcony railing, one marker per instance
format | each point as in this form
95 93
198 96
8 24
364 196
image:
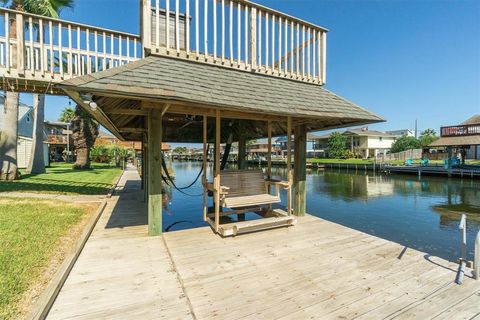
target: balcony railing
461 130
57 139
231 33
42 48
238 34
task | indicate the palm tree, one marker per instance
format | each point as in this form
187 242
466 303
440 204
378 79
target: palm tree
429 132
8 135
48 8
85 131
427 137
8 138
67 115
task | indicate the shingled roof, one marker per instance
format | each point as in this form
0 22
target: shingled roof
205 85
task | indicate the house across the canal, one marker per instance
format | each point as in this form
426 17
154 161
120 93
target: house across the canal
464 137
362 142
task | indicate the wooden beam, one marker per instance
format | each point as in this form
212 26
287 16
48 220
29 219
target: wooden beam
200 110
242 146
204 164
132 130
300 172
128 112
269 150
218 122
97 114
269 159
289 165
154 172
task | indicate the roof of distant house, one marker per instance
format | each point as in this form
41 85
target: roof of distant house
368 133
460 140
475 119
355 132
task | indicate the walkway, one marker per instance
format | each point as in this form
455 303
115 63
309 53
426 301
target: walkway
316 269
122 273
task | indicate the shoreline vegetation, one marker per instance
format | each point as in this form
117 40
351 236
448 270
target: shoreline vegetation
61 178
36 235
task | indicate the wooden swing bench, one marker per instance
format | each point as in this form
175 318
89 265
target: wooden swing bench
244 191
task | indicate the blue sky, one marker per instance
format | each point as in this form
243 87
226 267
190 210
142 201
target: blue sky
403 60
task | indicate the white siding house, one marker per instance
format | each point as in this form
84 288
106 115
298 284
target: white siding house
25 133
363 142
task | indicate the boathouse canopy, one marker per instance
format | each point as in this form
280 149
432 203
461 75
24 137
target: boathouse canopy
465 134
192 88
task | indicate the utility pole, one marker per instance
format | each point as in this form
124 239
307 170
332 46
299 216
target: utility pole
416 129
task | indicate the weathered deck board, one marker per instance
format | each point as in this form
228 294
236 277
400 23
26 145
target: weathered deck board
122 273
316 269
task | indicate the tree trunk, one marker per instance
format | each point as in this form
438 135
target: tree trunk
83 158
8 135
8 138
37 164
85 131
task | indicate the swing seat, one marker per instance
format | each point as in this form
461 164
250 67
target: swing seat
247 188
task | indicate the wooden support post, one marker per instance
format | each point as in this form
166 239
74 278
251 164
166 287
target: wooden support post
242 147
204 164
300 174
146 25
269 150
289 165
217 169
269 159
143 163
154 172
20 44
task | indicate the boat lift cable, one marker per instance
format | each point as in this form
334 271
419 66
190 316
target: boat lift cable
226 153
169 181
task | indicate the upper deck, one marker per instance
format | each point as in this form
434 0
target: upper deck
460 130
37 51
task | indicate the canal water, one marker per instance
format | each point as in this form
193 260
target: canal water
422 214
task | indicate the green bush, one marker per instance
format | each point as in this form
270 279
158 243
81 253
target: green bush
405 143
337 143
101 154
110 154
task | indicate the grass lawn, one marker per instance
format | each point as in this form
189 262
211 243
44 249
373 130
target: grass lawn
35 235
61 178
349 161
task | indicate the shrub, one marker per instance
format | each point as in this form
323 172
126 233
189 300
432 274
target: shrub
337 144
405 143
100 153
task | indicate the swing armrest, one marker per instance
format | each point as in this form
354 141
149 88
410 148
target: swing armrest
223 189
282 184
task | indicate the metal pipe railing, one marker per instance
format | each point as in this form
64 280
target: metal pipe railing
476 260
463 248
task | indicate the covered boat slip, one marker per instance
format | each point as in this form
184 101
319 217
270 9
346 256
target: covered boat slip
166 99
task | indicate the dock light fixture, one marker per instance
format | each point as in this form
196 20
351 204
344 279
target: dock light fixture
87 99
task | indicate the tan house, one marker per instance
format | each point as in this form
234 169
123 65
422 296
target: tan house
465 136
363 142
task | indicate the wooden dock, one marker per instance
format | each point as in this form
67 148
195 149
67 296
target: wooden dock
316 269
471 173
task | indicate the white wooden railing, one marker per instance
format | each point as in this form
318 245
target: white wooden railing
41 48
238 34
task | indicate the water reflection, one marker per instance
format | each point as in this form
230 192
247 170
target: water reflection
418 213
